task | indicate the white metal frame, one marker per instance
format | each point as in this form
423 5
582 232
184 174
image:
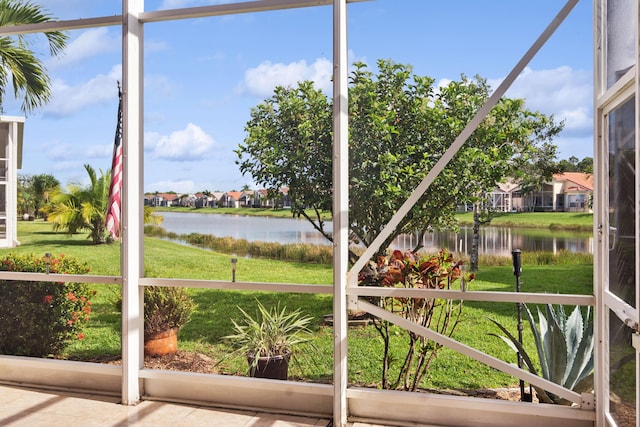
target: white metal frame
605 101
339 399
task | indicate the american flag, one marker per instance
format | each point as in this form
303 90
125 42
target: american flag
113 208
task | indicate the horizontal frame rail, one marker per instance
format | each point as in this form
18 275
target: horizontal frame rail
526 297
54 277
238 286
166 15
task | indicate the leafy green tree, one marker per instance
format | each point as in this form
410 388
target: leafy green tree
289 145
586 165
26 202
42 186
20 65
82 207
34 192
400 125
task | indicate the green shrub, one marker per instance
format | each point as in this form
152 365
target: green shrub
40 318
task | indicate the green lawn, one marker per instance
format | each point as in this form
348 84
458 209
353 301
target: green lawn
555 220
216 308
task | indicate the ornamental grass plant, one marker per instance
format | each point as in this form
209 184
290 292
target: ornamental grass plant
165 308
271 332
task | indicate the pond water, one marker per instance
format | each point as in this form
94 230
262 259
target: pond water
493 240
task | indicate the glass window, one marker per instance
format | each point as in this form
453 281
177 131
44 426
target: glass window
622 368
622 153
3 199
621 35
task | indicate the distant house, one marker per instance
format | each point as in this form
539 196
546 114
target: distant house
216 199
265 200
572 191
165 199
207 200
231 199
187 200
506 197
567 192
250 199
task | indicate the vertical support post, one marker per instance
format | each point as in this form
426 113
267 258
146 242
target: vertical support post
340 211
131 254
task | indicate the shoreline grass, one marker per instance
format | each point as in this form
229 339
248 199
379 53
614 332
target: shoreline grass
216 308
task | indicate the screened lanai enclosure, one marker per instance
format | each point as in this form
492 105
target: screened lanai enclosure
334 391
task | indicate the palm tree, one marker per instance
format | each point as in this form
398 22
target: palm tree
42 187
19 64
150 217
82 208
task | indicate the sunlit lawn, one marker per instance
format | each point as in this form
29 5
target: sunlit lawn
216 308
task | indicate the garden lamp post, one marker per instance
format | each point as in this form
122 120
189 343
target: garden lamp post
47 262
517 271
234 261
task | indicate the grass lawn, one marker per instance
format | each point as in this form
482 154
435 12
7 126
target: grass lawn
554 220
216 308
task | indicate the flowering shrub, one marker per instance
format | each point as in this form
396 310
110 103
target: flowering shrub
39 318
409 270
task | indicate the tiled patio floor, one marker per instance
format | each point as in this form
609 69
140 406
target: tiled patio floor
43 408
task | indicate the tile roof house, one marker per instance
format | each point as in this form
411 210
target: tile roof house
572 191
567 192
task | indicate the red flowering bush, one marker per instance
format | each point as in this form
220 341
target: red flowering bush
40 318
409 270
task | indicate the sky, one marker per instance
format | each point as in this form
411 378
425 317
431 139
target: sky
203 76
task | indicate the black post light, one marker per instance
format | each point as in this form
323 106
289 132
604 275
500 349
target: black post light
234 261
517 271
47 261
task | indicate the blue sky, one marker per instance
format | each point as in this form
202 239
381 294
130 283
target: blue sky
202 76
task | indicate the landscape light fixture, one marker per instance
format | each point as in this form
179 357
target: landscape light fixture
517 271
47 261
234 261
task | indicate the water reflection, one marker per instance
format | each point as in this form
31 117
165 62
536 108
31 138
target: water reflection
501 241
493 240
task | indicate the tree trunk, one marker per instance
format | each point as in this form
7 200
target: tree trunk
475 243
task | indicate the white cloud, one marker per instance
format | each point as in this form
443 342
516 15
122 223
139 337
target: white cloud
68 99
261 80
90 43
100 151
179 186
564 92
191 143
58 151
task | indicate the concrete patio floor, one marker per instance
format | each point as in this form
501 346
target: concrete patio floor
21 406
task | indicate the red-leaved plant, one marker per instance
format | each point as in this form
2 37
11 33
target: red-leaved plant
410 270
40 318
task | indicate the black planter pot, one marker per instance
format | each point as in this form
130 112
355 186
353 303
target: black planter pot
273 367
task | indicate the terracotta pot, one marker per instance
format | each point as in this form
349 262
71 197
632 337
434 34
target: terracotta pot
273 367
161 343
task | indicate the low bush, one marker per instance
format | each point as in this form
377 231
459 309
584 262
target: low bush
41 318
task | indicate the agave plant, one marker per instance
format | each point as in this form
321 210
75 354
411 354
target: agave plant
565 349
